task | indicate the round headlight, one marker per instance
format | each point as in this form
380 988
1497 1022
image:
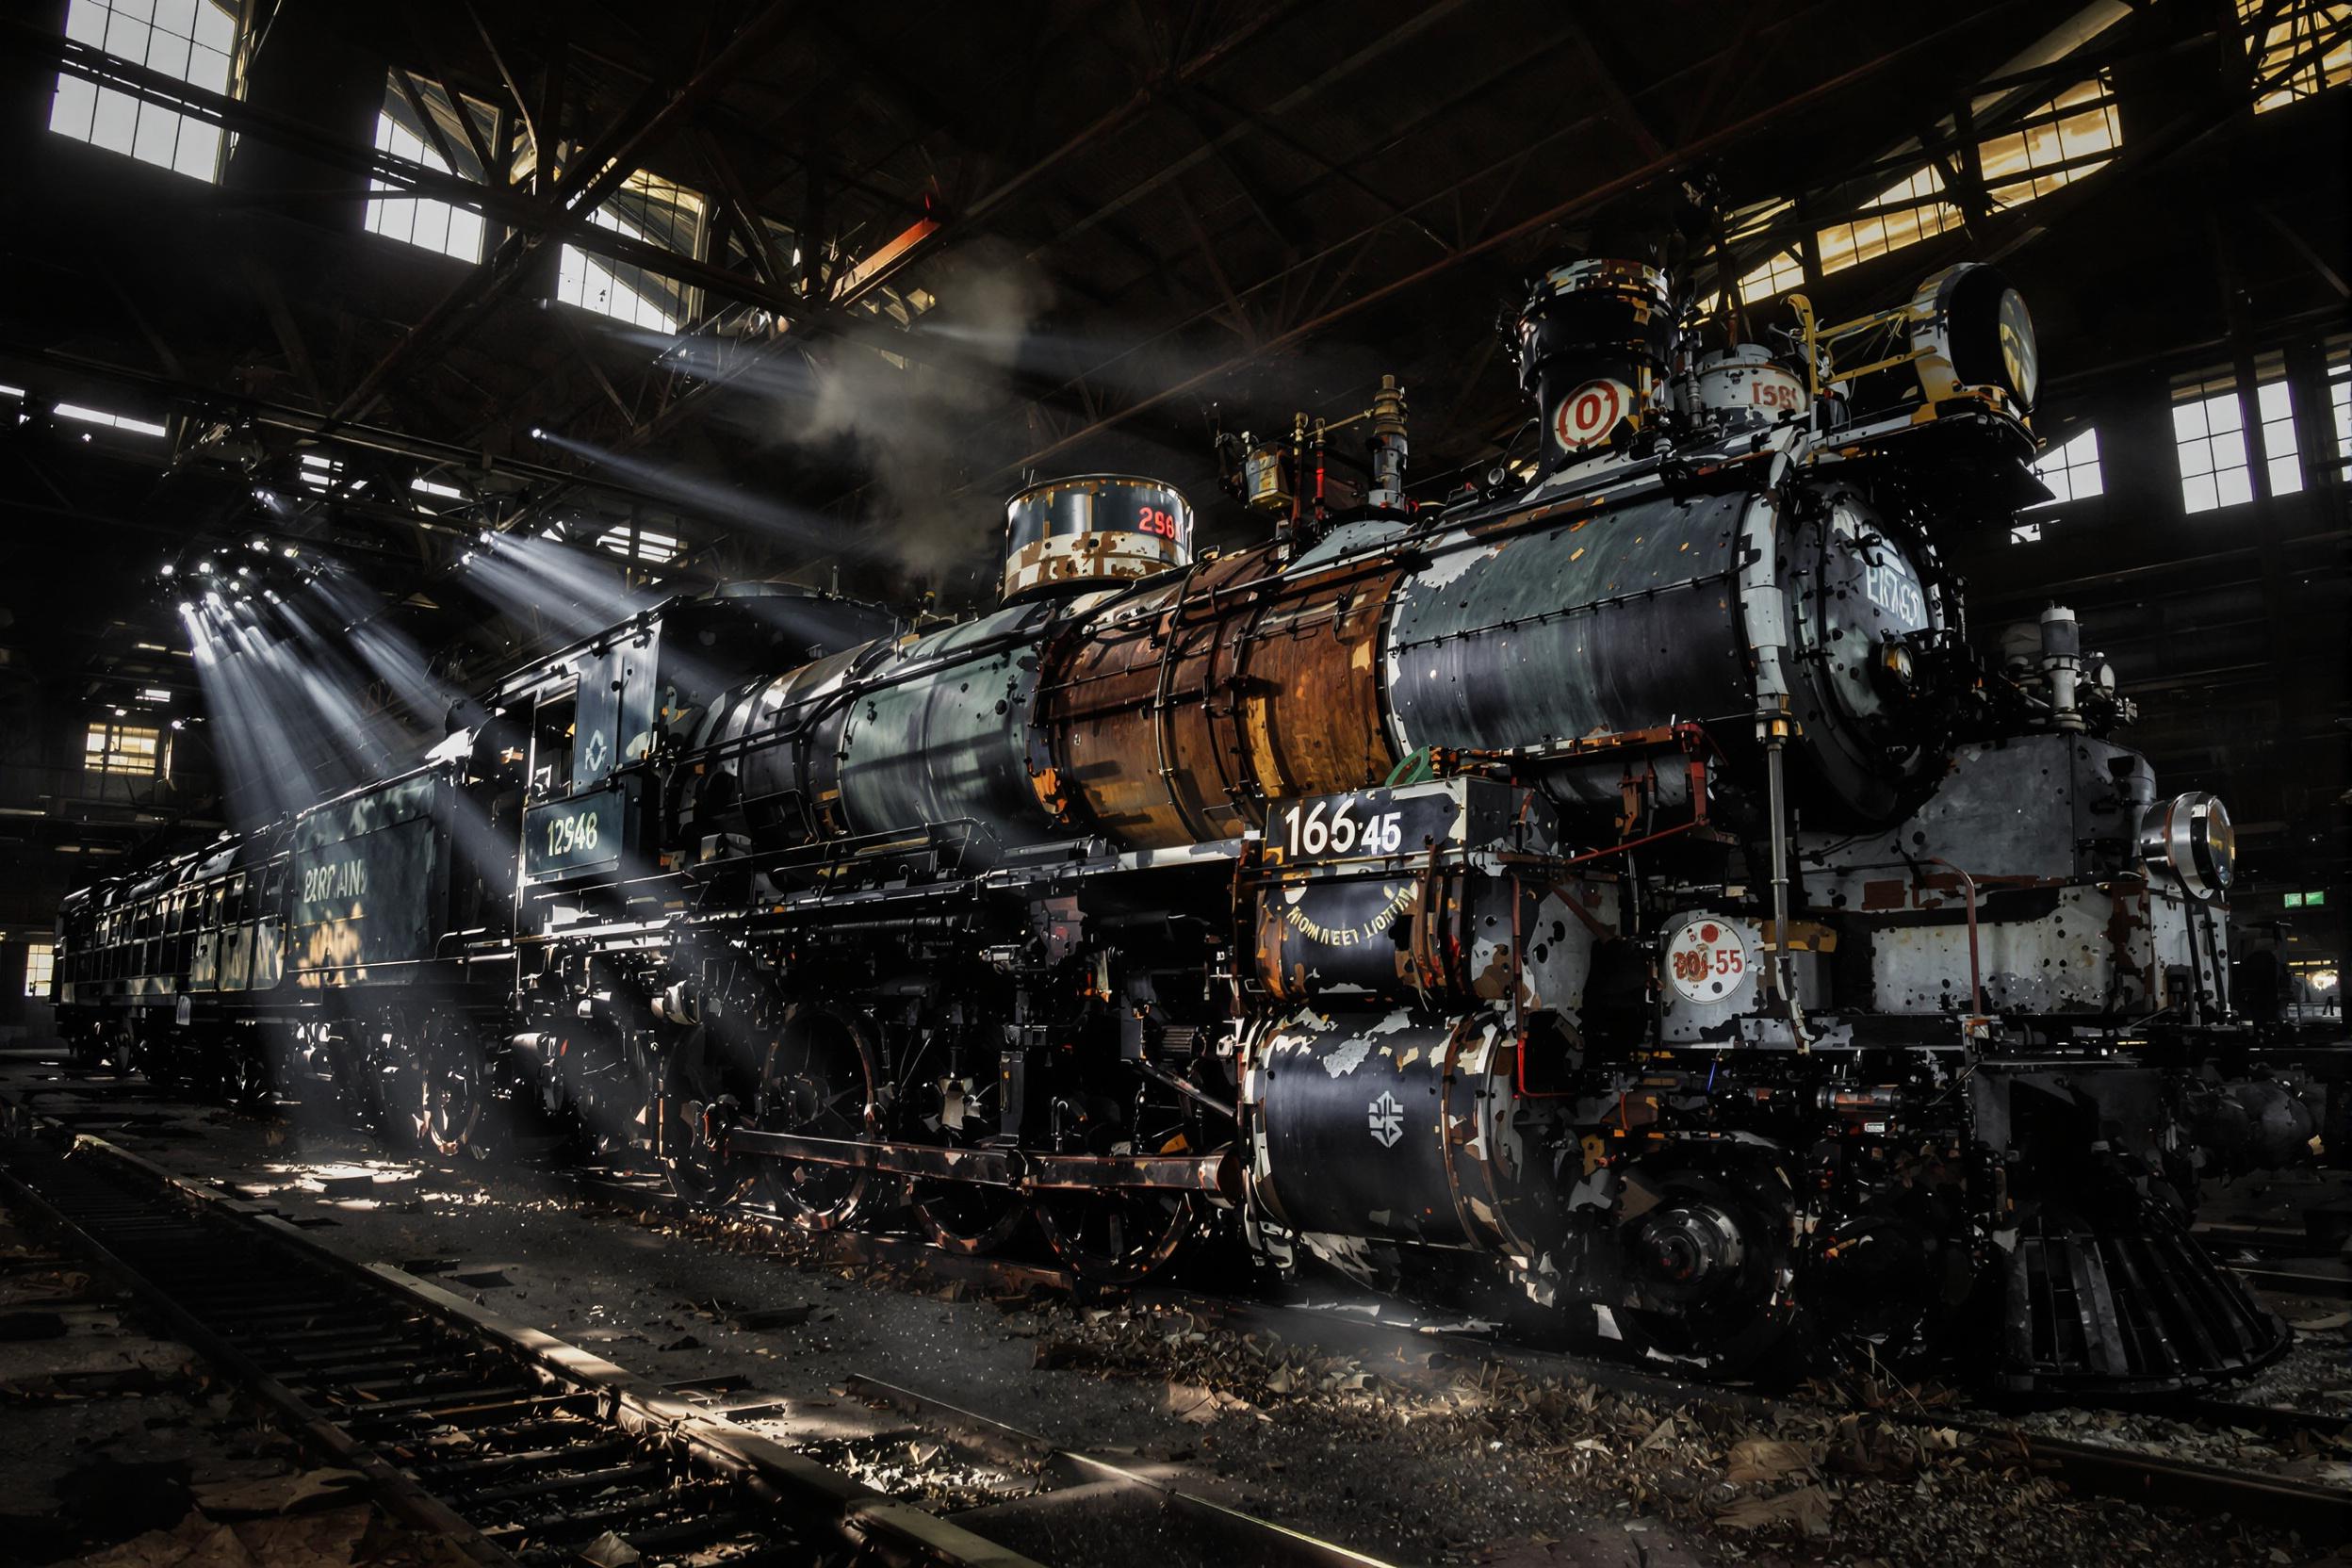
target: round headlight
1896 669
2188 840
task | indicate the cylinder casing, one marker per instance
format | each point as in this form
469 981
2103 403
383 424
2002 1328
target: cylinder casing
1397 1125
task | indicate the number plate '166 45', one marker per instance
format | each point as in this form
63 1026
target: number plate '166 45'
1366 824
563 837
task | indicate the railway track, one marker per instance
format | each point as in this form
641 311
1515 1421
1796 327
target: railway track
526 1451
2322 1514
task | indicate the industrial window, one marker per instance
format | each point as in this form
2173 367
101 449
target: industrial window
2209 428
112 421
2281 447
41 967
188 40
2340 408
646 208
2301 48
1902 215
112 747
2209 431
632 542
1782 272
320 471
2071 469
2073 135
414 129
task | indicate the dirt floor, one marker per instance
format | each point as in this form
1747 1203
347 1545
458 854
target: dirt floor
1432 1457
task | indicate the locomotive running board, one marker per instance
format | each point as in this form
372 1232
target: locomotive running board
1216 1175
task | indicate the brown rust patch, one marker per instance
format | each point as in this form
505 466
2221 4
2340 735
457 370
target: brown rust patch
1224 690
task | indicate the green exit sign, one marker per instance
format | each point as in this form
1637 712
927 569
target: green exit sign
2305 900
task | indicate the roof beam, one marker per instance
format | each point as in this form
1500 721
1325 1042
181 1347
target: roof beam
572 198
1640 174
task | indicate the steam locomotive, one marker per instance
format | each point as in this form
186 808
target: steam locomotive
1623 884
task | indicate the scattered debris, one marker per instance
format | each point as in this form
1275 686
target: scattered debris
275 1494
610 1550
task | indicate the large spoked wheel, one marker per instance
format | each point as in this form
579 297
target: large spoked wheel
455 1094
1708 1269
965 1216
699 1112
819 1082
1123 1237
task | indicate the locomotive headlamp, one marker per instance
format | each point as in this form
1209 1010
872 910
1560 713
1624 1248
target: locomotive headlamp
1970 329
2188 838
1895 666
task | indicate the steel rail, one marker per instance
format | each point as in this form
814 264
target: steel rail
639 1463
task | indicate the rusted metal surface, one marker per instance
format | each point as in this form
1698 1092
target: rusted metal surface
1180 713
1093 531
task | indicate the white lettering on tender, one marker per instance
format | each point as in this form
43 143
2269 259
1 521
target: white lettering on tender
336 879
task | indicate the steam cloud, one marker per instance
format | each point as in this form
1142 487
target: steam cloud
913 427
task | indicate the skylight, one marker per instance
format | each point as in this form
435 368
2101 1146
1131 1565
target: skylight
634 544
2073 135
191 40
1783 271
1902 215
415 131
113 421
647 209
2305 48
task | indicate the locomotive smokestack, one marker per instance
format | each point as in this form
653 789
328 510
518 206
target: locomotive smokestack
1092 530
1592 347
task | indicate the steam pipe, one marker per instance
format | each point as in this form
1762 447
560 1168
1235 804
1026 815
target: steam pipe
1776 806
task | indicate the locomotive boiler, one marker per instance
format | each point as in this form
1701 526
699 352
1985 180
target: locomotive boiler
1623 888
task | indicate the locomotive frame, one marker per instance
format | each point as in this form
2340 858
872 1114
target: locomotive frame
1626 879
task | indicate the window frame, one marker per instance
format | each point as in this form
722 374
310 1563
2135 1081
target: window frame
102 758
115 31
394 212
42 957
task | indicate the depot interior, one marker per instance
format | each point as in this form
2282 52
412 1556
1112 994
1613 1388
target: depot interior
476 326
